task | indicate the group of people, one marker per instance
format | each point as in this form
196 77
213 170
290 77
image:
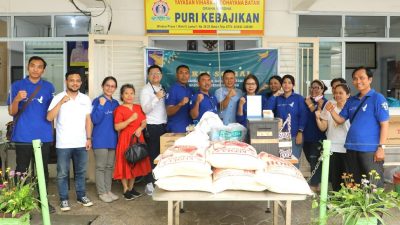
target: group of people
109 128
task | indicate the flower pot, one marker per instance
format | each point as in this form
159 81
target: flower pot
19 219
362 221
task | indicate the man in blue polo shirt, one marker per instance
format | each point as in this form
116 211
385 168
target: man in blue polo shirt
30 116
228 97
368 113
203 101
177 100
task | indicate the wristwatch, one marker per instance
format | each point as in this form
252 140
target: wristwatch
382 146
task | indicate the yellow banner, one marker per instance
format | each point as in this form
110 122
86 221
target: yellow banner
205 17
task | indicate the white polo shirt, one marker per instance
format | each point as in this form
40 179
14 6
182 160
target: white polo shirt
153 107
71 120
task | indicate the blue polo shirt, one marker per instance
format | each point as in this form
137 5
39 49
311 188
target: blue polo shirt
311 131
104 134
294 105
208 104
243 119
364 131
32 123
178 122
228 115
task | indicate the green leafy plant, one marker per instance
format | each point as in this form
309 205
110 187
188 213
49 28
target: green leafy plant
16 194
354 201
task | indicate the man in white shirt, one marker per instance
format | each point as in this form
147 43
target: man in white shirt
228 97
71 109
152 100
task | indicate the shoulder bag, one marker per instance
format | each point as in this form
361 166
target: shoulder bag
136 151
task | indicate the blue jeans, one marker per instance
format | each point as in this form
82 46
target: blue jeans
296 151
79 158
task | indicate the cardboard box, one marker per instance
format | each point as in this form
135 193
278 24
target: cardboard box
394 131
168 139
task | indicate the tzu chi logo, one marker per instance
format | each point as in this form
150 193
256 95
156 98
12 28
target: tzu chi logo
160 8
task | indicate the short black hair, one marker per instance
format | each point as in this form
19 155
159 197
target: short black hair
70 72
124 87
367 71
276 77
109 78
202 75
250 76
290 77
345 87
153 67
37 58
228 71
181 66
338 79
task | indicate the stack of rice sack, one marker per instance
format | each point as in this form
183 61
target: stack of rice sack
183 167
280 176
234 166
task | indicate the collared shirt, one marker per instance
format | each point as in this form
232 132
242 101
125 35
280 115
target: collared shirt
181 119
71 120
293 105
243 118
32 123
104 135
311 131
208 104
153 107
364 132
228 115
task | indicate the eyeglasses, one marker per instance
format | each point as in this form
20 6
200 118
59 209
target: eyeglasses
109 86
251 84
315 88
157 73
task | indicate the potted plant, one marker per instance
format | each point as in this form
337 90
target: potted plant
363 203
16 197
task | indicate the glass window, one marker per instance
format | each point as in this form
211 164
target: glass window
53 54
4 26
319 26
32 26
394 26
330 63
3 71
72 26
365 26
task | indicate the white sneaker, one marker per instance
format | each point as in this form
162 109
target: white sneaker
149 189
105 198
113 196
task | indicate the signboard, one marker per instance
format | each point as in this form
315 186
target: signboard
205 17
263 63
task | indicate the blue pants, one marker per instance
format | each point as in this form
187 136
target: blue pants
79 158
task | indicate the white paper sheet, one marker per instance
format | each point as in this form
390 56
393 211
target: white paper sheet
254 106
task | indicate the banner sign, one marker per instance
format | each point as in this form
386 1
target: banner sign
205 17
260 62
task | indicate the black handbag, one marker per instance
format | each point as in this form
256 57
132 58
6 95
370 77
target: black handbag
136 151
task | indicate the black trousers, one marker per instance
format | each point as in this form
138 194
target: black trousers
360 163
24 155
337 166
153 143
312 151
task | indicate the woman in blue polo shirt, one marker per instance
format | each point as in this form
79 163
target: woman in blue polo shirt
104 138
368 113
293 104
313 136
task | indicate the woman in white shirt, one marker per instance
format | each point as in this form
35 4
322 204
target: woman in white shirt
337 134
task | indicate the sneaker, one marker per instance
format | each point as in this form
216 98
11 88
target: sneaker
105 198
135 193
128 196
64 205
113 196
149 189
85 201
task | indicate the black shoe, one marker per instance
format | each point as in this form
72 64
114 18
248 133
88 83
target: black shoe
52 209
128 196
135 193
